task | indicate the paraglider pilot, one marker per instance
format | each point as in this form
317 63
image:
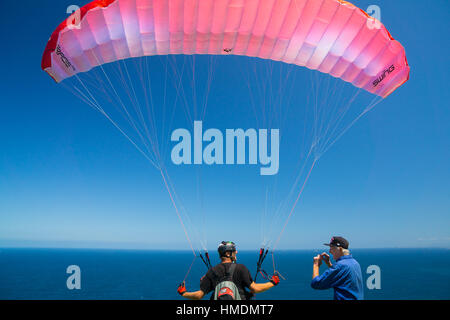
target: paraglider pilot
228 280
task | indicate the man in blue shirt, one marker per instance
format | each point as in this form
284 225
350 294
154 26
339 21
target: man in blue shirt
344 276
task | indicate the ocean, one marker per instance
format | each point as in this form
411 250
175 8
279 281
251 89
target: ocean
40 274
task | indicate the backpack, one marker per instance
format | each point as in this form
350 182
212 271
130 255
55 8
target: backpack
225 288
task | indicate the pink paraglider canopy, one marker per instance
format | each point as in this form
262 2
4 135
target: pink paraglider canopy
330 36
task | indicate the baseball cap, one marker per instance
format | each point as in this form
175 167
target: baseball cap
338 242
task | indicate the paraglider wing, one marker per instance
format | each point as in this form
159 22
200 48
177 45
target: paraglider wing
331 36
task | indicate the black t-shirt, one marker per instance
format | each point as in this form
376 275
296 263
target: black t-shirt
241 278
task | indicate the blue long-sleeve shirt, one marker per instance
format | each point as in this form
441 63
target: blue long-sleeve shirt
344 277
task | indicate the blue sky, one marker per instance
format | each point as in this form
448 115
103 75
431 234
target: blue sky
69 179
